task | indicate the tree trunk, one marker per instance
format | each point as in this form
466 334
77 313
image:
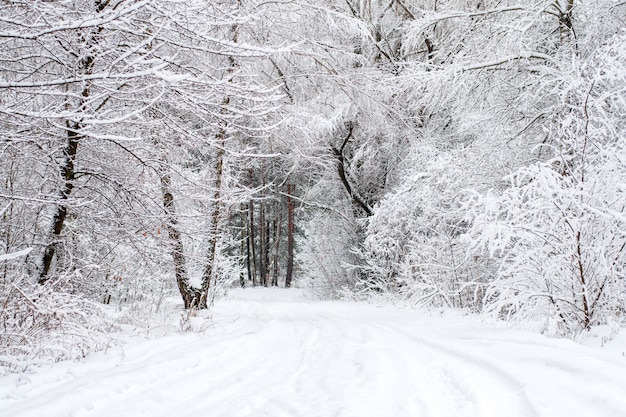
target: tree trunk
190 295
277 227
584 290
262 244
267 253
58 220
251 239
357 200
249 254
72 129
290 232
566 23
244 251
209 270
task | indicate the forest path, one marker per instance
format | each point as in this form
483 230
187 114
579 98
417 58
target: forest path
271 352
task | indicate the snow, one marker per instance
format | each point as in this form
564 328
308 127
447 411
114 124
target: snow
15 255
273 352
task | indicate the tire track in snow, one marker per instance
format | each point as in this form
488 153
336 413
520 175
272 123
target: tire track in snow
425 382
572 379
499 382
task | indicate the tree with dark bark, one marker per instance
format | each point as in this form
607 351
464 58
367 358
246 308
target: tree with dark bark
290 234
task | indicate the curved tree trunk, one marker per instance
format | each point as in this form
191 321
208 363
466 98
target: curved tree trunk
209 270
357 200
190 295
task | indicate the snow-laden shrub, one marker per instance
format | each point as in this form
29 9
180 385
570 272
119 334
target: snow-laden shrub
559 228
41 324
413 247
561 244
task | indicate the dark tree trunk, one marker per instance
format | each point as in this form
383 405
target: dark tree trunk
262 244
357 200
73 129
244 252
290 232
266 261
252 243
248 253
68 175
277 227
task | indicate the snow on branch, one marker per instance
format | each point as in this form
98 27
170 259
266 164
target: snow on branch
438 17
44 29
498 62
15 255
84 78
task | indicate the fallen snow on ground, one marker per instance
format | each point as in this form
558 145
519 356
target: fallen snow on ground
272 352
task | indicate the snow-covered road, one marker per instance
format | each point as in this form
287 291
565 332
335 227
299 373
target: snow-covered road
272 353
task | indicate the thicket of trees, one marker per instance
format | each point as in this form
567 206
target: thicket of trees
460 153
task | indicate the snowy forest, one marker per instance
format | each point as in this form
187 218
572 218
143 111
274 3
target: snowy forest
457 154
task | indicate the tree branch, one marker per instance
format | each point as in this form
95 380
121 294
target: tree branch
341 170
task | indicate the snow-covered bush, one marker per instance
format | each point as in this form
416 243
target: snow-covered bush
40 324
561 244
559 228
413 247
